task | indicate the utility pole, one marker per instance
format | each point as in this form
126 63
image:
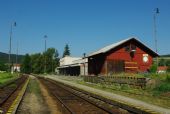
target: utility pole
84 57
10 43
17 57
52 63
156 12
45 37
17 54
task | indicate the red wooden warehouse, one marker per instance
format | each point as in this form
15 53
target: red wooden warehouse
129 55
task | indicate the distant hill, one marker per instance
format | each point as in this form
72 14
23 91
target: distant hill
4 58
167 55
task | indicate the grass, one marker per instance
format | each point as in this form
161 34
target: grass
7 77
164 86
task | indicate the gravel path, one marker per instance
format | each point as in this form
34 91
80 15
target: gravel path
126 100
37 100
33 102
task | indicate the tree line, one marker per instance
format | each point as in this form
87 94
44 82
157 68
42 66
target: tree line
45 62
4 60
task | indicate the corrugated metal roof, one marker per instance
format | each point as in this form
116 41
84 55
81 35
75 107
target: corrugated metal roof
112 46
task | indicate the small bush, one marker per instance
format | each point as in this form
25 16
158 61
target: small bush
153 68
164 87
168 78
124 87
168 70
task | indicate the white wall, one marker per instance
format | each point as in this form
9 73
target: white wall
84 70
68 60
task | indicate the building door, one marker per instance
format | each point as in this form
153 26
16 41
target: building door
115 66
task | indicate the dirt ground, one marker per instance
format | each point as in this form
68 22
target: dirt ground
37 100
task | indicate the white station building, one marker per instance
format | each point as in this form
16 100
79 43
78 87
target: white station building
73 66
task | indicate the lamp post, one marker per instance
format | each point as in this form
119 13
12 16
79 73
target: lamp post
45 37
156 12
10 40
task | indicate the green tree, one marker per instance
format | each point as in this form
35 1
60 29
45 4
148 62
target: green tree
153 68
37 63
52 59
3 66
56 58
26 64
66 51
168 63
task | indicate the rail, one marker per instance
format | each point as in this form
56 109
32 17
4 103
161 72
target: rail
67 95
110 106
8 91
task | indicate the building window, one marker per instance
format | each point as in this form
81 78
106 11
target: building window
127 48
133 47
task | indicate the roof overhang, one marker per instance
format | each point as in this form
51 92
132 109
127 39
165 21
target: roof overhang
68 66
115 45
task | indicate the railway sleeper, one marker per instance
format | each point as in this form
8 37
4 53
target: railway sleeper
90 99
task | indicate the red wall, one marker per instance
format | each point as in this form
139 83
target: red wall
121 54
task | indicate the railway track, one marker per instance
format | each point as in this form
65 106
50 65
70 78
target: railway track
10 92
76 102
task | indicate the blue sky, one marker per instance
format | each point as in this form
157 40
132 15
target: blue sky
86 25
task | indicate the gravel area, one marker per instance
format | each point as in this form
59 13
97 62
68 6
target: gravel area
37 100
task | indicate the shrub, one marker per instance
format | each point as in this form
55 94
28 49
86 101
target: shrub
168 63
162 62
153 68
124 87
168 78
168 70
163 87
3 66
